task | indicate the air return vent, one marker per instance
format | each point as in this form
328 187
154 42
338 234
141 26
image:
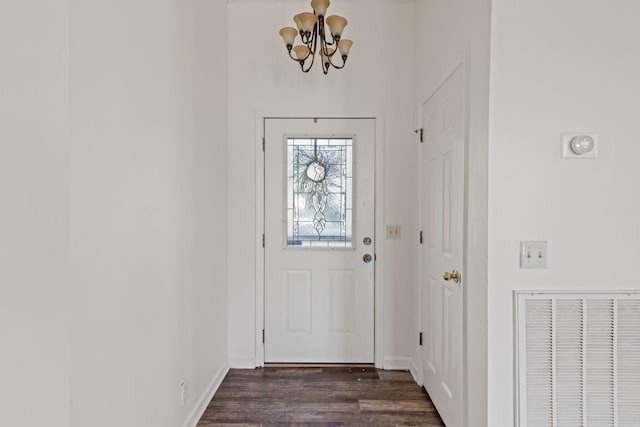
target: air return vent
578 359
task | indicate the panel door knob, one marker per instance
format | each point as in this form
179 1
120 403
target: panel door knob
367 258
454 275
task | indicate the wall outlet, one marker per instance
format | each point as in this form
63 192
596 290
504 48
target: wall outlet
533 254
393 232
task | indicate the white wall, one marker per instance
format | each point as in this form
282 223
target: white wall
34 289
147 209
447 34
114 189
377 80
556 67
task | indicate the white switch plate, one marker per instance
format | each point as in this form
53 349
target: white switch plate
533 254
567 152
393 232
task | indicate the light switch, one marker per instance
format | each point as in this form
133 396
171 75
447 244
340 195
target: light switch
393 232
533 254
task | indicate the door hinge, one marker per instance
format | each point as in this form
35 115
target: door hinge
263 240
421 133
421 237
419 338
263 336
263 143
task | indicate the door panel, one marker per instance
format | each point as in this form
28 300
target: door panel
319 207
298 301
342 291
442 207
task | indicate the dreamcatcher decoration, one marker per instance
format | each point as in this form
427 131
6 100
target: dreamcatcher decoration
315 185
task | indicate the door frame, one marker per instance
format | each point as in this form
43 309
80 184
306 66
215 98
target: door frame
378 224
459 64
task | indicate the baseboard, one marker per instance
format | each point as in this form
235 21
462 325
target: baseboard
238 363
415 372
318 365
203 402
396 363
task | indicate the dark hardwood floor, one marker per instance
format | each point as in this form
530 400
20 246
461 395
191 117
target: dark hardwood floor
319 396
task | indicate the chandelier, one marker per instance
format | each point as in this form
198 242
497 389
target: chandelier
311 28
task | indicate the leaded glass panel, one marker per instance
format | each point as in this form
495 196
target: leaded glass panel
319 192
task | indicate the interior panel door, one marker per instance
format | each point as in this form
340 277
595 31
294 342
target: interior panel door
442 278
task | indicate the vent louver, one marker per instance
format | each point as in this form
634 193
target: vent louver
578 359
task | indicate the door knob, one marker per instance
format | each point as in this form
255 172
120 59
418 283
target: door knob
367 258
454 275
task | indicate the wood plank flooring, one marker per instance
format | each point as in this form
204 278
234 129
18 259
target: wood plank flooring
319 397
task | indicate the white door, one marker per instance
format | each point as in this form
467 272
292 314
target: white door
443 119
319 240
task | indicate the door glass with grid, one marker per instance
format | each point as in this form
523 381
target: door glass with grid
320 192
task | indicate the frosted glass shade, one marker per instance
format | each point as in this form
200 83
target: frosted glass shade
298 22
301 52
336 24
307 21
320 6
288 35
345 46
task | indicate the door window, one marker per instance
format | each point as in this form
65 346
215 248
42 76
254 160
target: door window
319 192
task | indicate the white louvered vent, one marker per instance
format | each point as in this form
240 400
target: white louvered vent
578 359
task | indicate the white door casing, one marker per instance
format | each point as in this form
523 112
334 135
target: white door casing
319 300
442 217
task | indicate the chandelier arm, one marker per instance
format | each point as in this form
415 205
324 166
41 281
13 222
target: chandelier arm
322 35
316 30
337 67
325 48
312 51
313 58
330 59
306 40
296 59
326 35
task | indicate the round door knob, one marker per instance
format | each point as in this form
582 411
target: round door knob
454 275
367 258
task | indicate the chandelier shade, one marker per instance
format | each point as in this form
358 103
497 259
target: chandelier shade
336 25
288 35
318 37
320 6
344 46
306 22
302 52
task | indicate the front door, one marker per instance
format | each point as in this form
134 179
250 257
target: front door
443 119
319 240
